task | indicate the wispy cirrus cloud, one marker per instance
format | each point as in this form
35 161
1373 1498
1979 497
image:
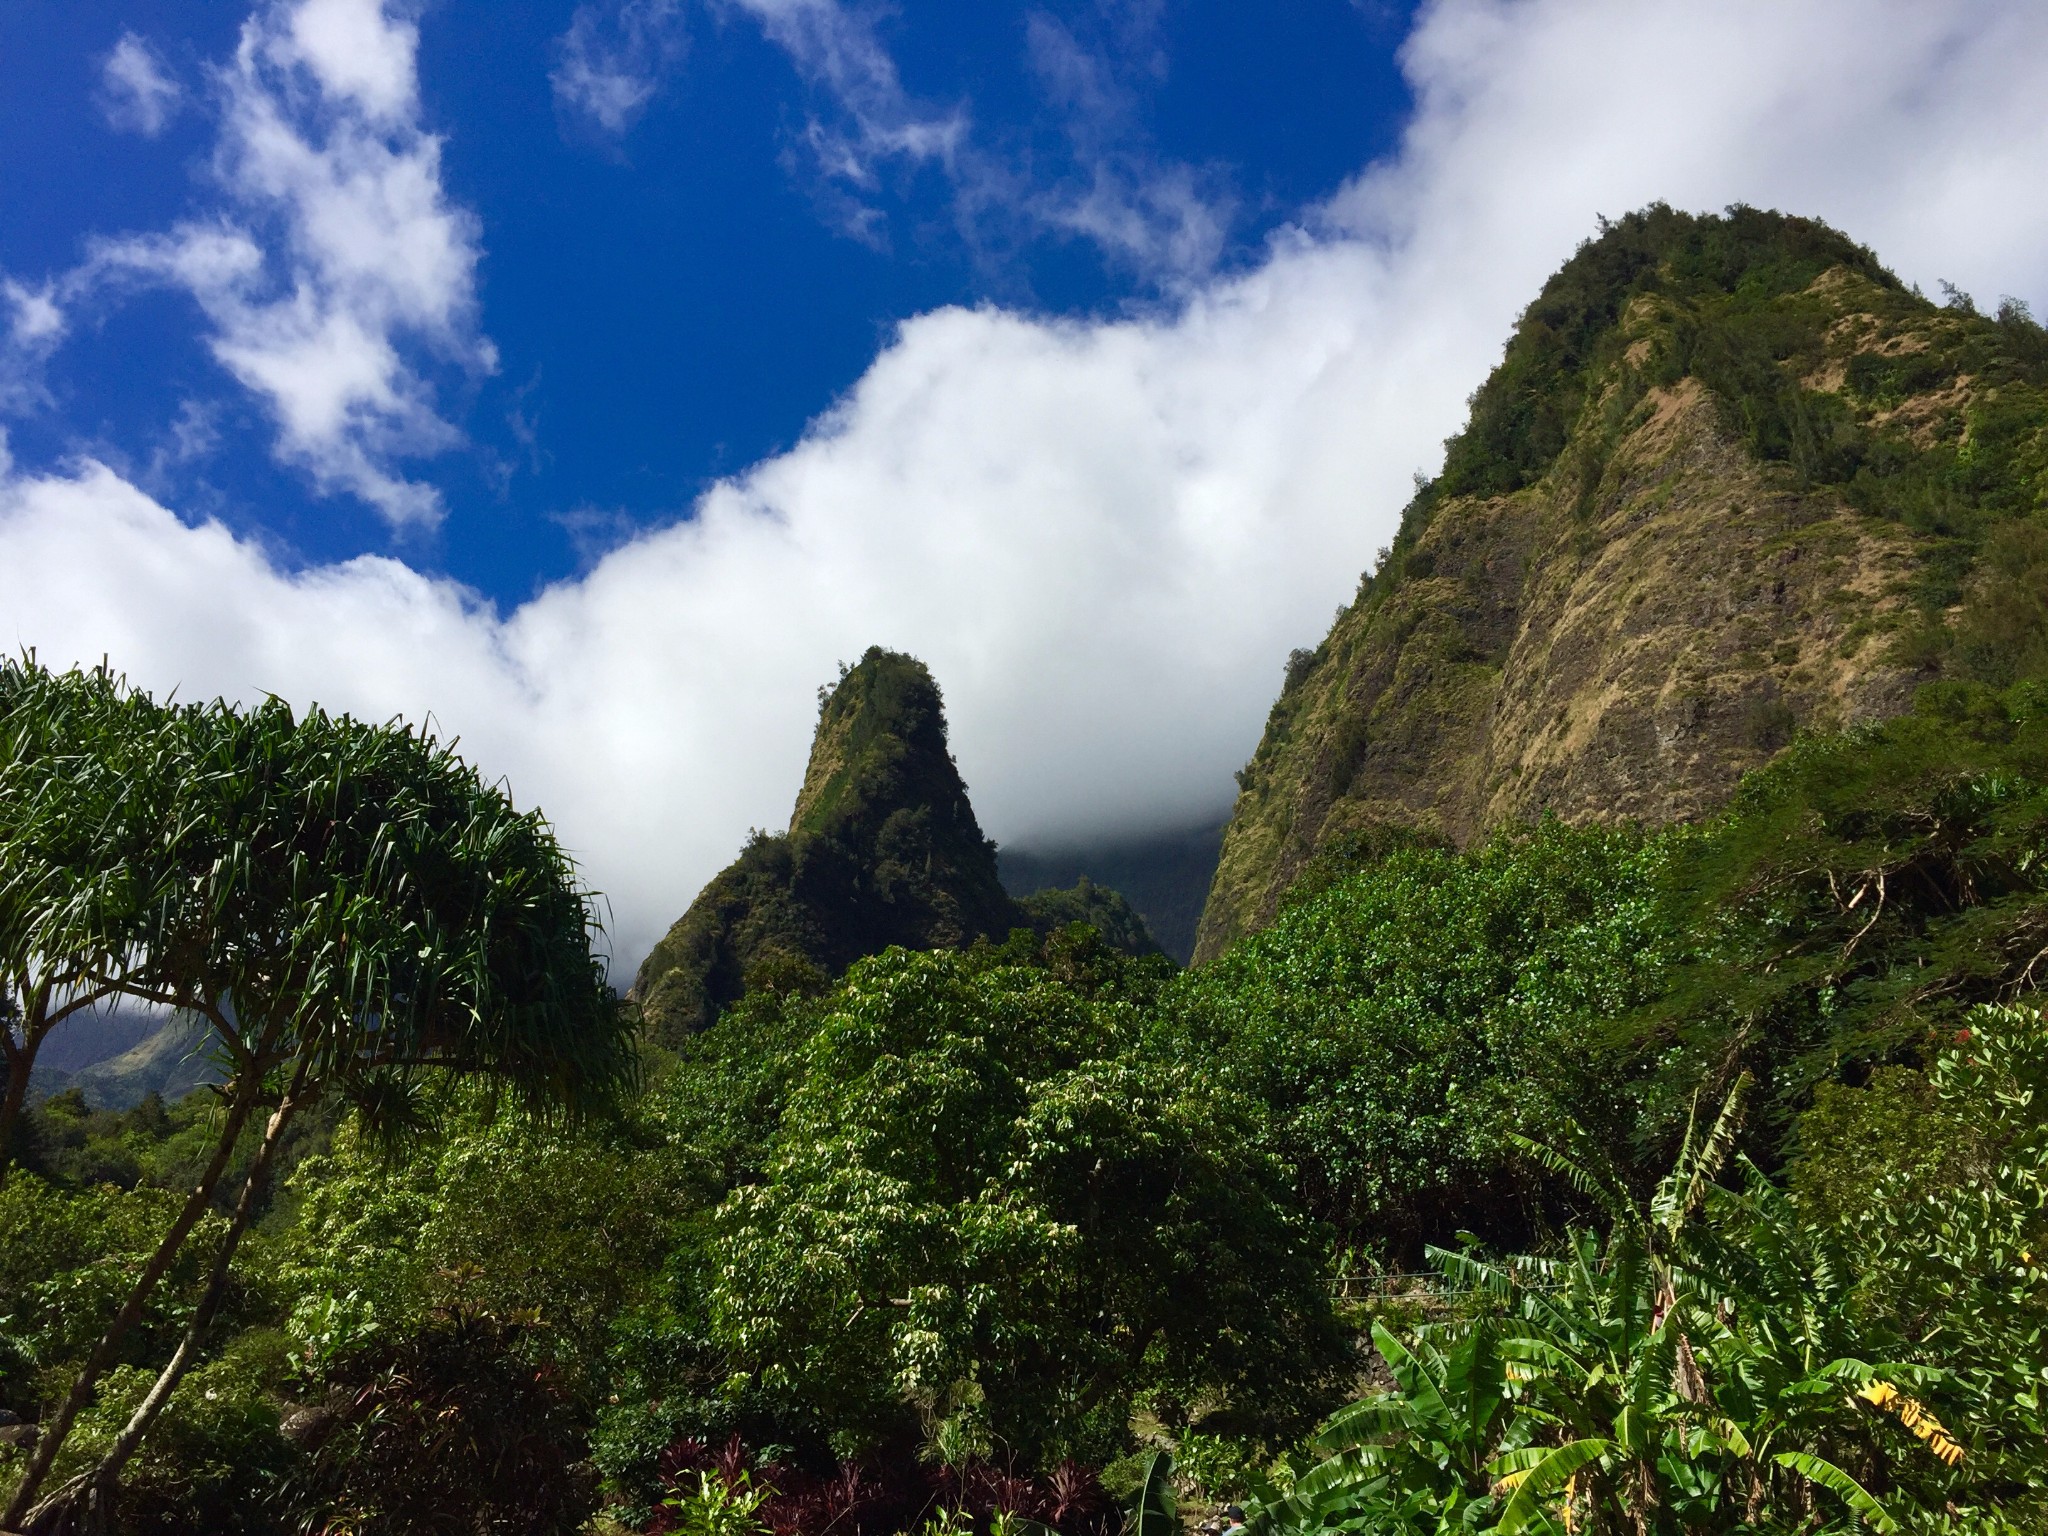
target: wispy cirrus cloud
35 325
862 126
613 59
617 55
137 92
331 267
868 117
1164 218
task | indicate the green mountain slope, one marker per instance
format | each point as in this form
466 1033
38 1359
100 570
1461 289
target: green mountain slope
168 1061
883 849
1730 479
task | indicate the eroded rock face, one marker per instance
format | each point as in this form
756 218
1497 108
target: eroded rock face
1705 622
1653 614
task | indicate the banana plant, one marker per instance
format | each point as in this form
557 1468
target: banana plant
1592 1349
1606 1391
1614 1336
1154 1511
1791 1347
1417 1456
1605 1348
1640 1431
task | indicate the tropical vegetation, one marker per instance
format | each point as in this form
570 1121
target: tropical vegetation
1590 1177
971 1233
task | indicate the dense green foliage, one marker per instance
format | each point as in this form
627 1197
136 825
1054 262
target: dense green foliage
1723 1361
154 1145
969 1206
955 1199
1404 1019
979 1181
1414 1008
1859 894
1095 906
995 1206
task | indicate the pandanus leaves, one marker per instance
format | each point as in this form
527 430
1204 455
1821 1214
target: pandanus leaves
349 906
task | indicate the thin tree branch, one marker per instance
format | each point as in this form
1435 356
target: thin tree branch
248 1091
1876 912
130 1439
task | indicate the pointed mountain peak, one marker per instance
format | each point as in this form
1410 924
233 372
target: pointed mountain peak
1730 480
880 747
883 848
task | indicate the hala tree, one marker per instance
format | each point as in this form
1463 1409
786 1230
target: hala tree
351 910
84 844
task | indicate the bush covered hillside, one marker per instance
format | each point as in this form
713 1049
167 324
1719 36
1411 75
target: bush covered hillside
1659 1165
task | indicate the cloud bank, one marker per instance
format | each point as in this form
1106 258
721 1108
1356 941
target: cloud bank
1103 536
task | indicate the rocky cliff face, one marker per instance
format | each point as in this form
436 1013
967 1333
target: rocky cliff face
883 849
1730 481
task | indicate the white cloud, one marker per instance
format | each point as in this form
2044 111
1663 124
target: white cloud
617 53
863 122
359 51
337 265
137 93
1103 537
614 57
190 436
37 319
35 326
835 48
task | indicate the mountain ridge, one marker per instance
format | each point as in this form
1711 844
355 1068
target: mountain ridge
1730 480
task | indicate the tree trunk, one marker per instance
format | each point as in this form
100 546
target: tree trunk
21 1060
1646 1502
51 1440
109 1470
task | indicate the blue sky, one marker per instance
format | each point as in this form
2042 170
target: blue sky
591 378
673 291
